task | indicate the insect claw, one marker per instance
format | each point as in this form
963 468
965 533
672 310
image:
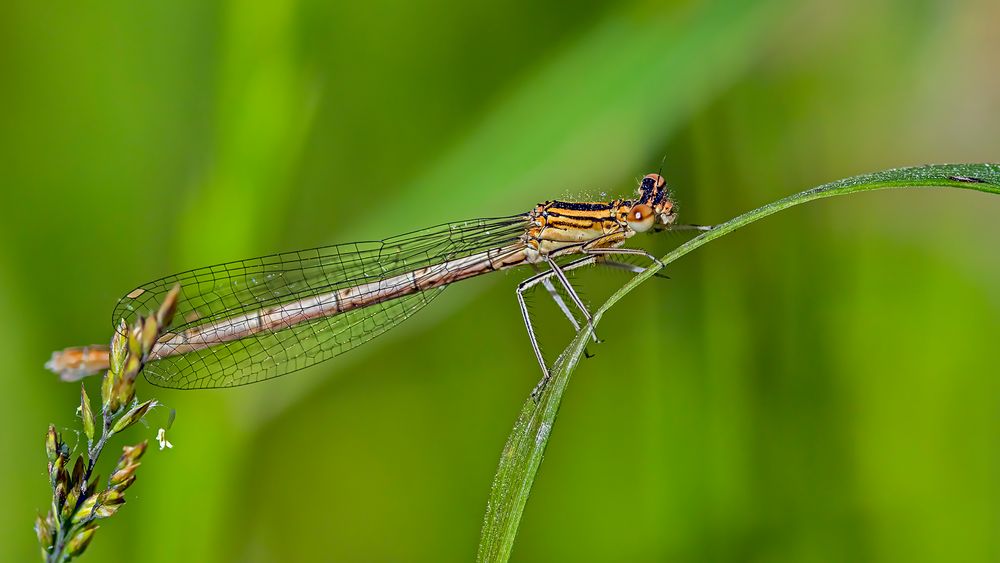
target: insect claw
536 393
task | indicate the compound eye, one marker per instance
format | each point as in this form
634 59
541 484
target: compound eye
655 179
640 218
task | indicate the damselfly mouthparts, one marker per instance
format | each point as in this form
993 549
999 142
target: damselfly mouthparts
250 320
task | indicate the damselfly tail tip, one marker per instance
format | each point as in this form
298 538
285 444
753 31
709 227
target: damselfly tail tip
74 364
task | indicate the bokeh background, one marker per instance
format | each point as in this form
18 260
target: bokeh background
822 386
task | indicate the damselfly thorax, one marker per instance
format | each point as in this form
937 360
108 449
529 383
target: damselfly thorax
250 320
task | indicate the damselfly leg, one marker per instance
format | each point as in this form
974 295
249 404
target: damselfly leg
634 268
625 251
561 303
691 227
542 278
597 256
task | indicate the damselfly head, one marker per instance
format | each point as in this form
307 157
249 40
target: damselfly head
653 210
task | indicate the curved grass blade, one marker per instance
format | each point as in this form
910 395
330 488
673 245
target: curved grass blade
525 446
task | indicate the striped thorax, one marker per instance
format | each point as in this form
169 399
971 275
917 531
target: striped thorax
558 228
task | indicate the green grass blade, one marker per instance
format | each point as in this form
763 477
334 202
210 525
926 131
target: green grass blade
526 444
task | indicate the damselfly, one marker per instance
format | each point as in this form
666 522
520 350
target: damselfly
250 320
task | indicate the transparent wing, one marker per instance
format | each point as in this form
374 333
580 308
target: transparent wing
274 353
226 291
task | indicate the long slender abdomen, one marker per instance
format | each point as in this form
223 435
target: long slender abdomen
287 315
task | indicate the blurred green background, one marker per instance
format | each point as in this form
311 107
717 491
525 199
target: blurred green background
822 386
